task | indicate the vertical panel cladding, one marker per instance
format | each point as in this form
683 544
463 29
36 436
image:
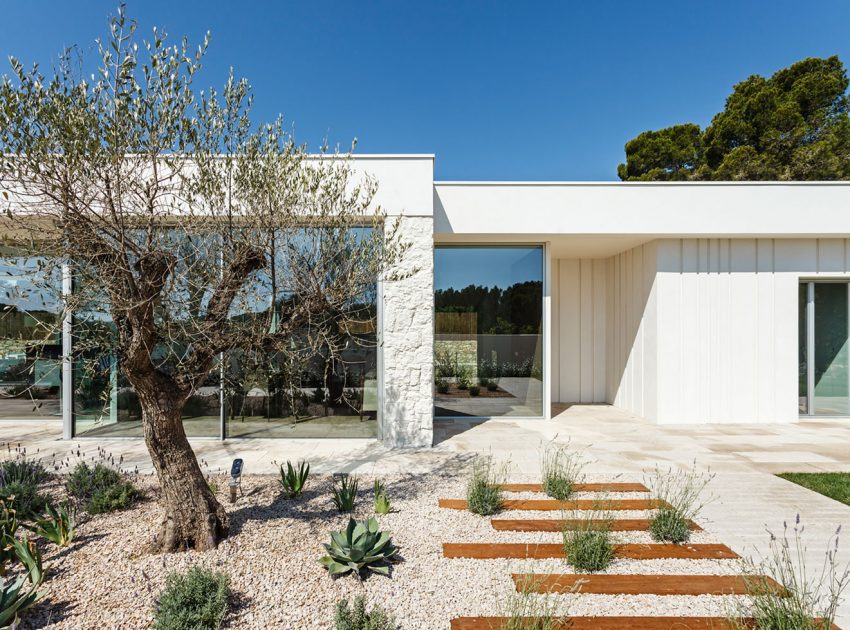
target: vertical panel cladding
408 340
555 327
727 325
570 340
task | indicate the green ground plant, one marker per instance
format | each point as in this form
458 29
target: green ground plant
561 469
359 547
357 617
526 609
57 525
484 487
680 495
8 529
588 544
198 599
382 499
804 600
835 485
100 489
292 481
344 493
20 479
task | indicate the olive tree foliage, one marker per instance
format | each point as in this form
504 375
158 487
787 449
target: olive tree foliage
190 233
794 125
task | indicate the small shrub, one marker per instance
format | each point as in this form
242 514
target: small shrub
463 377
560 470
679 494
293 481
800 602
344 493
588 546
318 395
361 546
492 386
442 386
484 488
358 618
22 470
474 390
382 500
669 526
24 497
198 599
483 381
100 488
57 525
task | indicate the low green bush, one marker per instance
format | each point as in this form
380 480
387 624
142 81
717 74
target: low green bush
24 497
668 525
474 390
358 618
196 600
22 470
588 546
100 488
492 386
484 487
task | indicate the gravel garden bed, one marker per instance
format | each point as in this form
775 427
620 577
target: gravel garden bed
108 579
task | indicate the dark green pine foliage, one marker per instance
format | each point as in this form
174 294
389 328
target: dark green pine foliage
791 126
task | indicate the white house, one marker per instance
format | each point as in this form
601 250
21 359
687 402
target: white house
683 303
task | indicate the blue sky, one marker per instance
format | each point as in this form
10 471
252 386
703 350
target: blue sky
522 91
459 267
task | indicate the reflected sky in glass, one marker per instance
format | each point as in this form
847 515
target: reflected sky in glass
503 266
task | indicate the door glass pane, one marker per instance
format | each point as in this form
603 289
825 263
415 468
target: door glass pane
488 346
832 380
802 343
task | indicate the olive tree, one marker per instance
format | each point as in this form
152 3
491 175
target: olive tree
190 233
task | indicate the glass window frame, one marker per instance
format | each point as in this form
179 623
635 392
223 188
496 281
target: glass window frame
545 329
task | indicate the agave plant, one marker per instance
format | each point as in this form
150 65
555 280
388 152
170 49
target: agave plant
14 599
27 553
344 494
360 546
382 500
293 481
57 525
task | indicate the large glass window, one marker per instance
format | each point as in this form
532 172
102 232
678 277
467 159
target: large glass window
30 338
488 344
824 350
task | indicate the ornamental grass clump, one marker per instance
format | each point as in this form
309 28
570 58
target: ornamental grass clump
359 547
588 544
527 609
484 488
198 599
560 470
803 600
679 495
357 617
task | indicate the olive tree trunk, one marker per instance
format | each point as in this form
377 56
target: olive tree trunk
192 516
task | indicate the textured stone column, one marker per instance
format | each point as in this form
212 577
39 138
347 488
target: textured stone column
408 341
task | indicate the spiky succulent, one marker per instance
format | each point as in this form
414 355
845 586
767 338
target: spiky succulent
361 546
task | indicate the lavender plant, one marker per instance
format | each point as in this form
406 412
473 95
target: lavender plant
680 497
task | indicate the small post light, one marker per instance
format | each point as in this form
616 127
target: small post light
235 478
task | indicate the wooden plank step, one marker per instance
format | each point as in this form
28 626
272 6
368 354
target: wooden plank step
596 584
539 551
549 505
557 525
615 623
579 487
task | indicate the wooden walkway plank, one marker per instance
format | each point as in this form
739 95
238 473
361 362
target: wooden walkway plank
615 623
557 525
579 487
549 505
608 584
539 551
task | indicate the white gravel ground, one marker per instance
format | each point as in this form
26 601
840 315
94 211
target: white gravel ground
109 580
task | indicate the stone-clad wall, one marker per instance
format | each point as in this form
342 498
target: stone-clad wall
408 341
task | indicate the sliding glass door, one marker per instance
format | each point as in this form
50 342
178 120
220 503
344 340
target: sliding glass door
824 351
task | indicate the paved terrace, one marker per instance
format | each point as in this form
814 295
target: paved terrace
748 497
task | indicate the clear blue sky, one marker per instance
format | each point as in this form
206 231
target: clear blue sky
497 90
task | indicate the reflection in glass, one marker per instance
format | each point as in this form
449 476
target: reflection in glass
832 378
488 348
30 338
